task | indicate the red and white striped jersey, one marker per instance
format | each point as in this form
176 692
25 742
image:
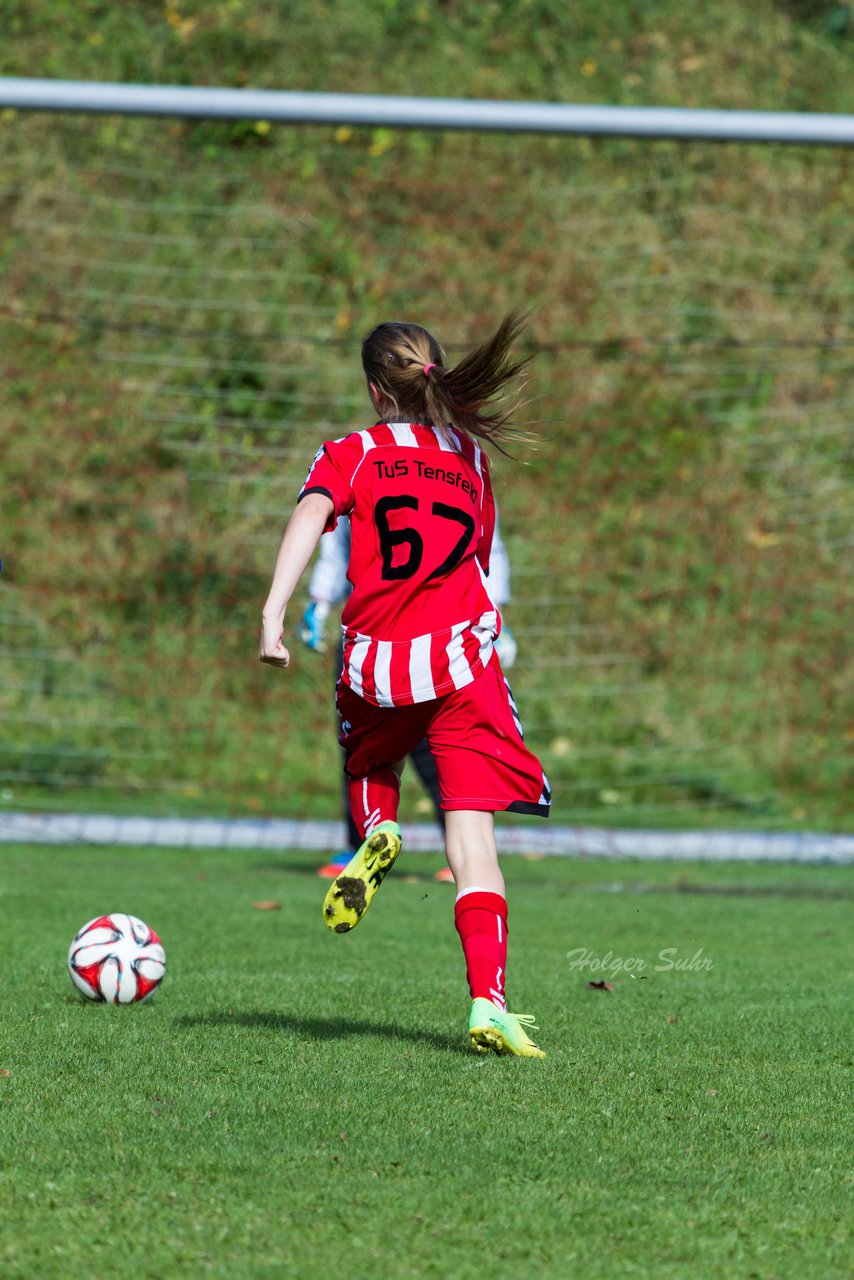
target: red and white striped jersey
420 621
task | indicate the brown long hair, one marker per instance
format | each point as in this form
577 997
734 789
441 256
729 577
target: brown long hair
407 365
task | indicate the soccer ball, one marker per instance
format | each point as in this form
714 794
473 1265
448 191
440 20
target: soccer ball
118 959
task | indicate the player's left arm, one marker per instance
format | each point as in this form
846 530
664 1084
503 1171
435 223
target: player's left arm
499 567
487 514
297 547
499 589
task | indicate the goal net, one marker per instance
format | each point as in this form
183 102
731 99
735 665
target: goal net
181 308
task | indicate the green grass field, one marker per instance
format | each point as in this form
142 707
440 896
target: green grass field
294 1104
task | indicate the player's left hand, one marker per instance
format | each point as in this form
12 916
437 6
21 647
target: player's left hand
506 648
272 650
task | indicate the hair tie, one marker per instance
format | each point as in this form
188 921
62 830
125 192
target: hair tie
427 369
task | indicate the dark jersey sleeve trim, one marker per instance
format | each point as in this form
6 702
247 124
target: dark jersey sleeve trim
316 488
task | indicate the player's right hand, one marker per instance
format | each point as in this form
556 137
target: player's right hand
310 630
272 650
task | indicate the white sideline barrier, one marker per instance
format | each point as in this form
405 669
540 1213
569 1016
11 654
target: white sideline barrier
547 840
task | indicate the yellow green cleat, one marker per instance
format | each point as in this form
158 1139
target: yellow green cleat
351 892
502 1032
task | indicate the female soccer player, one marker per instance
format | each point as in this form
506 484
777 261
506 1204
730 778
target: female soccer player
419 635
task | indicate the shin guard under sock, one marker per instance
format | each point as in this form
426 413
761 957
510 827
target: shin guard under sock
374 798
481 921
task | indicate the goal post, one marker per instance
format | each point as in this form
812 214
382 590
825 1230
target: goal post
181 307
382 111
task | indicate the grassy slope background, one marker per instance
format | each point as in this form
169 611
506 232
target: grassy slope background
132 587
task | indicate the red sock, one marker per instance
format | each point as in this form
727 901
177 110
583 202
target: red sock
481 920
374 798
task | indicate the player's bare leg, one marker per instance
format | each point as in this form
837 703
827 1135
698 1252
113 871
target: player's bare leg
481 919
471 850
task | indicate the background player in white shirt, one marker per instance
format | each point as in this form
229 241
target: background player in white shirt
328 586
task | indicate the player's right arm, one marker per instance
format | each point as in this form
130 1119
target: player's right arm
327 585
326 495
297 547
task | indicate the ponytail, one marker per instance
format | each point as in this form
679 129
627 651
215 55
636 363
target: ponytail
406 364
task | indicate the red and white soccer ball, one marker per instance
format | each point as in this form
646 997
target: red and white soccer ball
117 959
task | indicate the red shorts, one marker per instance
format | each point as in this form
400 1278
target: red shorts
474 734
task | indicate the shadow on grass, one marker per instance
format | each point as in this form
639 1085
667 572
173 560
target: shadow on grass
325 1028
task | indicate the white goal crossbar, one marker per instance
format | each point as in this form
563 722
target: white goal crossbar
379 110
